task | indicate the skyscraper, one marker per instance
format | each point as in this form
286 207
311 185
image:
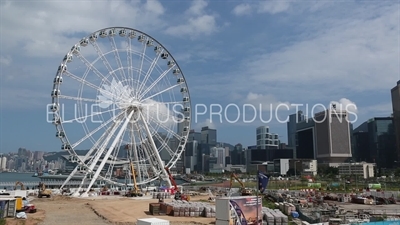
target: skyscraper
396 115
209 136
332 130
291 127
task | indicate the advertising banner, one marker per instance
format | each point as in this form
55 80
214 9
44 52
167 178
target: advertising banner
246 209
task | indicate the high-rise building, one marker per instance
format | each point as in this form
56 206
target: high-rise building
208 136
361 144
265 139
291 127
191 155
332 130
194 136
219 153
3 163
305 140
396 115
382 143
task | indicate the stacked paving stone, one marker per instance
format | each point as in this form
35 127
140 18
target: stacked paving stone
274 217
181 208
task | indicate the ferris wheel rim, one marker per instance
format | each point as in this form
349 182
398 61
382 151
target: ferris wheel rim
60 127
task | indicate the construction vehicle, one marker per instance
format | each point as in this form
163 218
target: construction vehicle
43 192
178 194
243 190
19 183
136 192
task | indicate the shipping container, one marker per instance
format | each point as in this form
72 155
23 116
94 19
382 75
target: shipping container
7 207
152 221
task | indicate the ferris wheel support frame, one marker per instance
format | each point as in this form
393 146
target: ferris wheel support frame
154 149
87 155
90 169
110 150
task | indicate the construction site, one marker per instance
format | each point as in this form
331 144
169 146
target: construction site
198 205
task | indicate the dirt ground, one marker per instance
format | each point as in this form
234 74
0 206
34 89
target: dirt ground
109 210
33 219
127 211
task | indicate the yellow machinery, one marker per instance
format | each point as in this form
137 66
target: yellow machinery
43 192
243 190
18 203
19 183
136 191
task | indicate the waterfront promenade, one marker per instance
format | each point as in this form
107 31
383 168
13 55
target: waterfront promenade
50 184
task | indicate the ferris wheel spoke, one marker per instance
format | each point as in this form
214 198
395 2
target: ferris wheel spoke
92 68
97 129
79 99
83 81
142 57
153 147
82 119
179 103
158 93
164 145
104 60
129 59
117 58
103 146
163 126
144 147
113 144
149 71
155 82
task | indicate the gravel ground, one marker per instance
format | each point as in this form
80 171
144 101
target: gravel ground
67 212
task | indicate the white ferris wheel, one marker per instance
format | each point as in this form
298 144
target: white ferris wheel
120 94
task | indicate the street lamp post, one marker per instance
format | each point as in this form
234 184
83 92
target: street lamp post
295 173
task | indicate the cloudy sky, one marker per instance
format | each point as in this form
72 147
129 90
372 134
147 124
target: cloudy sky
241 52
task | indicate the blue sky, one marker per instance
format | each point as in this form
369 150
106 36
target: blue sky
241 52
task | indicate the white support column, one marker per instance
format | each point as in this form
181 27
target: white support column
97 157
110 150
154 148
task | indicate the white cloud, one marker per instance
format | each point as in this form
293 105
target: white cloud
266 102
154 7
242 9
5 60
345 104
197 8
198 22
46 28
272 6
335 55
262 6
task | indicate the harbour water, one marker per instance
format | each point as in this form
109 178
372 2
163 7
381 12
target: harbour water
14 177
27 177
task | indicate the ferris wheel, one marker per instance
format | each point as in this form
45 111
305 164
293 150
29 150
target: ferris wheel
121 96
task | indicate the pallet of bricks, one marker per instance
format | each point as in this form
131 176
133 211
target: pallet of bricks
178 208
274 217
